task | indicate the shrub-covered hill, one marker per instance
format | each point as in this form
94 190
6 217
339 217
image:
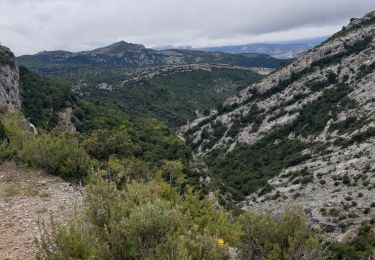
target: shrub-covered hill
174 98
145 194
127 55
303 134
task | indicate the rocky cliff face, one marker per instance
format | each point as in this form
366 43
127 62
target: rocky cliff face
9 80
321 109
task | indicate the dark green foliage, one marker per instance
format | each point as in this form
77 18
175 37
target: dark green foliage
234 129
326 61
3 135
59 154
349 125
331 78
314 116
359 137
365 70
42 98
247 168
360 247
358 46
110 133
303 176
267 188
349 49
95 115
218 129
174 98
6 58
346 180
157 142
103 143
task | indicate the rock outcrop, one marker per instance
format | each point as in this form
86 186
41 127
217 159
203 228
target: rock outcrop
325 101
9 80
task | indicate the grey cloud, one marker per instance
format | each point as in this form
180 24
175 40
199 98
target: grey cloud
28 26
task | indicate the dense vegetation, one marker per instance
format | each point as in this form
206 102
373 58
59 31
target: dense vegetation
42 98
174 98
361 246
71 155
6 58
265 160
141 202
152 220
146 197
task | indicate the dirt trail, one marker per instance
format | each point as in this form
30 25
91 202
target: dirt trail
25 198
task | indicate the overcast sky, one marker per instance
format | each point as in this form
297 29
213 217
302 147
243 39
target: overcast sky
30 26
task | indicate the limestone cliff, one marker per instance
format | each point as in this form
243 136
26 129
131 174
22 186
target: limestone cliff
9 80
321 110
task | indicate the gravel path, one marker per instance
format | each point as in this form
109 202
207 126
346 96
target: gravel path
25 198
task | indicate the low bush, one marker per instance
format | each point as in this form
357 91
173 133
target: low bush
57 153
282 236
361 246
60 155
143 221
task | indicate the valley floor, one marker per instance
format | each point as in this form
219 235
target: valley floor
27 197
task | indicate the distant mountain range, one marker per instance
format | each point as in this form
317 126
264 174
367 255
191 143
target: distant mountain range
123 54
286 50
280 50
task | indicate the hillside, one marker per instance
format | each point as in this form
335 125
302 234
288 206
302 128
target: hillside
304 134
123 54
172 85
174 95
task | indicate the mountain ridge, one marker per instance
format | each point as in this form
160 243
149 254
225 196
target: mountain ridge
282 50
303 134
123 54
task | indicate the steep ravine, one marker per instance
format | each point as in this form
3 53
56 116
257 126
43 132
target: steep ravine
304 134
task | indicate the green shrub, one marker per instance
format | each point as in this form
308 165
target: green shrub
42 98
361 246
61 155
103 143
7 151
143 221
264 160
6 58
284 236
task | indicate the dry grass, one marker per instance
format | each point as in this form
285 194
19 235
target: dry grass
11 190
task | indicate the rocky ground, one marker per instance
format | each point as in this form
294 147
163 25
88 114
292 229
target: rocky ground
26 198
336 184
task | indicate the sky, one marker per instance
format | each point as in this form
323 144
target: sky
30 26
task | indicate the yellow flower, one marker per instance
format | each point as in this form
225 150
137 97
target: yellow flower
220 242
